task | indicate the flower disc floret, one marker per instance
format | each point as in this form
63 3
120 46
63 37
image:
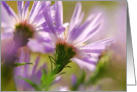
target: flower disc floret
22 33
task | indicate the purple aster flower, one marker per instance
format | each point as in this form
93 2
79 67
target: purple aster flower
25 25
24 71
23 28
71 42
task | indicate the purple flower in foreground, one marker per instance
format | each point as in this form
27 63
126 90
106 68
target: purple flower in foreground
71 43
26 25
24 71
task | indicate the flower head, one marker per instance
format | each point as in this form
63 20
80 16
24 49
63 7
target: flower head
22 28
70 44
25 25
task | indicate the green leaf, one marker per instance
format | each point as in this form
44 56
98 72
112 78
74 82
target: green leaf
46 81
20 64
51 60
44 75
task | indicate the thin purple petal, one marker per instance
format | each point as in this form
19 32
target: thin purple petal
9 10
84 65
20 8
86 27
47 16
59 16
75 16
26 8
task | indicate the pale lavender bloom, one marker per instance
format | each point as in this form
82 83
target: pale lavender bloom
25 26
120 35
24 71
77 34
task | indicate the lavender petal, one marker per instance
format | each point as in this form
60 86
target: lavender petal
47 16
75 17
9 10
34 11
84 65
26 8
59 16
85 28
20 8
86 37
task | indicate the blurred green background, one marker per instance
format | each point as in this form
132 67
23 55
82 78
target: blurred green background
117 65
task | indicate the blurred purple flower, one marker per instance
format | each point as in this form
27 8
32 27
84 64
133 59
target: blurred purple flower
62 88
77 34
24 71
121 23
119 47
26 25
120 35
73 79
81 86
